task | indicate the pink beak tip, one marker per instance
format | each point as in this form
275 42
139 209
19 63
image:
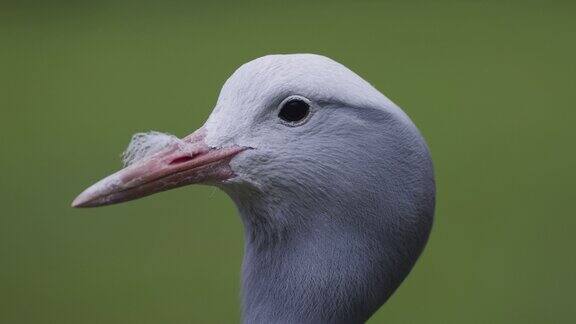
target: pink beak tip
81 201
78 202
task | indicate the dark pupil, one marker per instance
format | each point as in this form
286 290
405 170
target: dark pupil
294 110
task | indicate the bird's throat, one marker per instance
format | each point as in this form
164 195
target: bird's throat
302 276
328 263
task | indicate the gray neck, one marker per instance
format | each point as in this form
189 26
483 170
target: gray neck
330 242
320 267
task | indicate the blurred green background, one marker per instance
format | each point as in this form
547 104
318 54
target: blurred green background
491 84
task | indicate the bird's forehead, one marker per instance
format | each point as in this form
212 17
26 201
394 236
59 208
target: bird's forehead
264 82
277 76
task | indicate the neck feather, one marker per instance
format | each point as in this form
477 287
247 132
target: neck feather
318 269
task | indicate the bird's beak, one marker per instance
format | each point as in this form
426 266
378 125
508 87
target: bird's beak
168 169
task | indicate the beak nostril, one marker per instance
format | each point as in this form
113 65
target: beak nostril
181 159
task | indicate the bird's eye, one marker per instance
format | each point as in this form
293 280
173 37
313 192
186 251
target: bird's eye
294 110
